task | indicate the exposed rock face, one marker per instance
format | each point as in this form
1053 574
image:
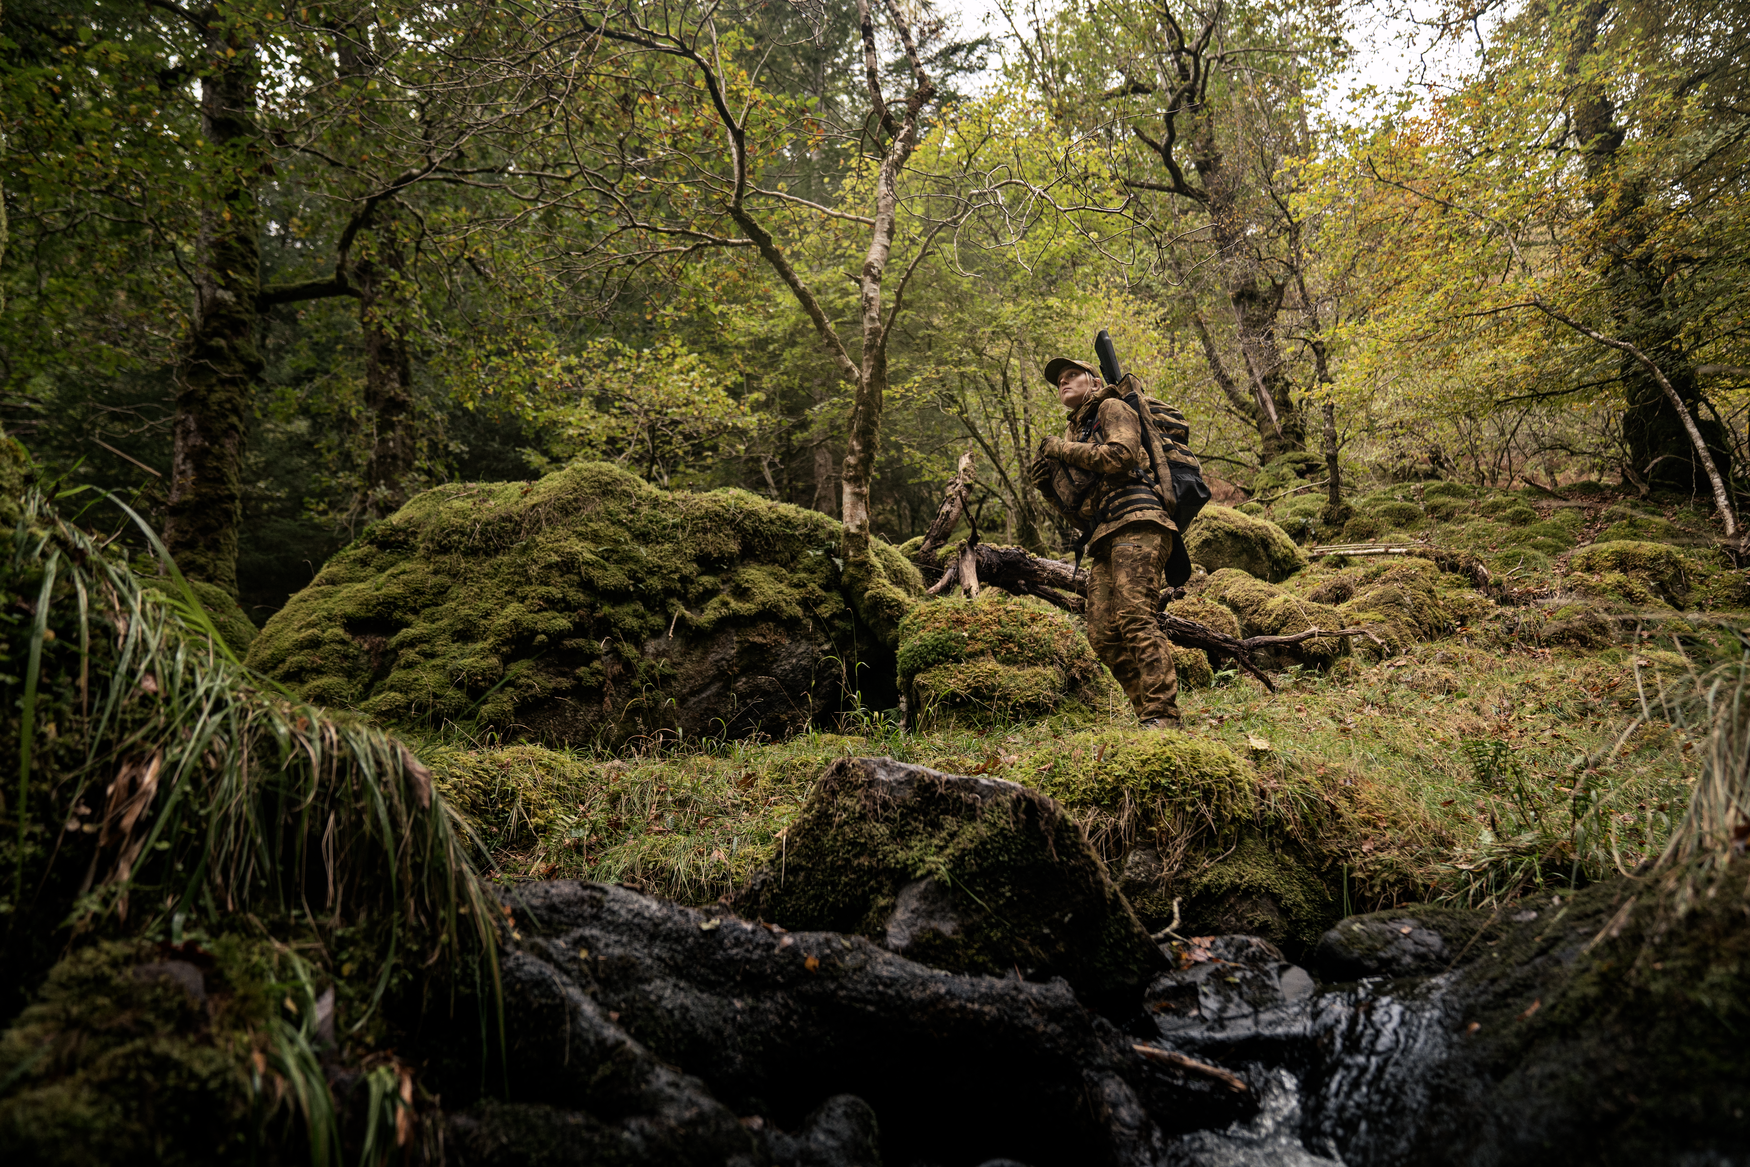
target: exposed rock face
1223 537
962 873
591 606
644 1033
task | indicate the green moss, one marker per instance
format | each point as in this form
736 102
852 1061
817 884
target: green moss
1640 529
1225 538
1445 509
1619 586
1449 490
1207 612
1659 568
1288 470
1255 509
226 614
1517 515
1192 669
1401 516
1021 886
1257 889
1300 516
117 1063
997 659
1173 776
1548 537
1362 528
588 605
1266 610
513 796
15 475
1720 589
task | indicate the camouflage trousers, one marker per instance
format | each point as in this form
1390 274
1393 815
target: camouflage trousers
1124 591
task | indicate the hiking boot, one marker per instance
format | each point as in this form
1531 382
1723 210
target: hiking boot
1174 722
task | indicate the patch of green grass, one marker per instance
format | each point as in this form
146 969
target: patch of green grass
1365 768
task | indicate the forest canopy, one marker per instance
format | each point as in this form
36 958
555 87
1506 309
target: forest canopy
270 269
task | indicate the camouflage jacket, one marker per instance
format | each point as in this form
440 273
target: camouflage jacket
1096 480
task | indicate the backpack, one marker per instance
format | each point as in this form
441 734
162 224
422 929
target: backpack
1175 474
1173 480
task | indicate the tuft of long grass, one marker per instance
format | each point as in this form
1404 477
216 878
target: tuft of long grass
169 787
1715 829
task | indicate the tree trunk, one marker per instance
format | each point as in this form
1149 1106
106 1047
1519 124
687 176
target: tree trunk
1659 447
388 382
216 376
1254 297
1334 490
870 386
823 500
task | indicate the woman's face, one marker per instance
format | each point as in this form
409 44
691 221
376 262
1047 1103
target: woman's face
1075 387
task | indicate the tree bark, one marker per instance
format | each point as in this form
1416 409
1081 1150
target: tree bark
870 389
388 381
216 376
1661 393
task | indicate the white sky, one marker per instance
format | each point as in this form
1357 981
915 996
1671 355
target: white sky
1391 51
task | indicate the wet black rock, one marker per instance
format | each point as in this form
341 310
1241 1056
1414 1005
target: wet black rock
1597 1029
644 1032
965 874
1386 944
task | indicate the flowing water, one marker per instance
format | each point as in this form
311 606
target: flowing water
1340 1072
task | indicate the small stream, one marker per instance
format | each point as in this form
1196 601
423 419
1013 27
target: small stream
1340 1072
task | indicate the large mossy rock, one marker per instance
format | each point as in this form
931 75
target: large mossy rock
961 873
1223 537
590 606
1633 570
1266 610
1402 601
15 473
998 659
135 1054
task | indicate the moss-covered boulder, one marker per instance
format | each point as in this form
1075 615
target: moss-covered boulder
221 607
1258 888
1224 538
136 1054
998 659
962 873
588 605
1288 470
1266 610
1659 569
14 475
1402 601
1397 515
1206 612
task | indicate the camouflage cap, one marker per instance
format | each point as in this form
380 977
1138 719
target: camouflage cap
1055 367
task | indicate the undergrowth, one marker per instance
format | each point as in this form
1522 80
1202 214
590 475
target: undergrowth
1445 773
